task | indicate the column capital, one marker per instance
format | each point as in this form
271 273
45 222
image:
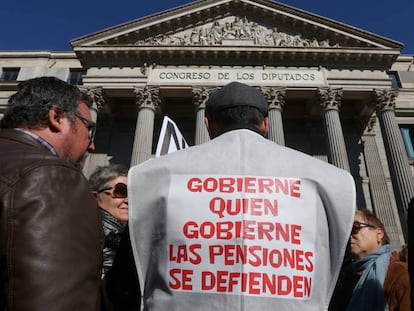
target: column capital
201 95
275 97
384 99
147 97
330 98
95 92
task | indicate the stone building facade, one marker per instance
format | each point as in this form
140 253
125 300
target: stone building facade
336 92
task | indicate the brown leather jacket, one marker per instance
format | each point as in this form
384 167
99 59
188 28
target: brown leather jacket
51 235
397 285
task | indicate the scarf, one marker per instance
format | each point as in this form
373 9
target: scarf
368 293
113 233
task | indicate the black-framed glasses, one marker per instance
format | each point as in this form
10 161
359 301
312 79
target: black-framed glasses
359 225
90 125
119 191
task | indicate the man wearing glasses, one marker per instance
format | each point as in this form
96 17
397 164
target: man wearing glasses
51 234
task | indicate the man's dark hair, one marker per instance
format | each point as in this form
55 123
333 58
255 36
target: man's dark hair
30 105
237 117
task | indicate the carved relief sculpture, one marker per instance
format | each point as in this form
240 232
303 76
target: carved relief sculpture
235 28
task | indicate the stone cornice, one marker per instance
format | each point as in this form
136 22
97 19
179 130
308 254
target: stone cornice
37 54
266 55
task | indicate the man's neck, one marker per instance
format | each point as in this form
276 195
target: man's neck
44 143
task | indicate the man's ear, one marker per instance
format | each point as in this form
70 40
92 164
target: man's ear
210 127
55 120
380 235
264 127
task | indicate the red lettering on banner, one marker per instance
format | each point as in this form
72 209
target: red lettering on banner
184 253
255 283
208 281
257 256
295 188
250 206
247 229
249 184
301 286
251 209
181 279
284 285
309 257
215 251
290 187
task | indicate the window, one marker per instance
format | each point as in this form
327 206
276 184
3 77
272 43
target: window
407 133
9 74
75 77
395 81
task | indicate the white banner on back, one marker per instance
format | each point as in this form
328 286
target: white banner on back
170 139
241 235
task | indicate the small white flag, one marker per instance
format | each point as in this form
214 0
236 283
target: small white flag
170 139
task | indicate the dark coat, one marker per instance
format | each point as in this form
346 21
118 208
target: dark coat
51 235
396 286
121 285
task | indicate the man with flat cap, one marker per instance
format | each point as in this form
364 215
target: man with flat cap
238 223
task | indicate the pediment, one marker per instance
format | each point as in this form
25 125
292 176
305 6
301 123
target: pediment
236 23
240 32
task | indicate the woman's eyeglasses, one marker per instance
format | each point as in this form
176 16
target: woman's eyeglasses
119 191
359 225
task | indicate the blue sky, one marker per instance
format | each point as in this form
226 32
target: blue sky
51 25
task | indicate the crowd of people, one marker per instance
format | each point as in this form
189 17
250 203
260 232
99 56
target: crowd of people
116 241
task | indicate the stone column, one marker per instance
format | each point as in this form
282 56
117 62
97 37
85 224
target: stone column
200 97
330 100
401 177
276 100
380 196
148 102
